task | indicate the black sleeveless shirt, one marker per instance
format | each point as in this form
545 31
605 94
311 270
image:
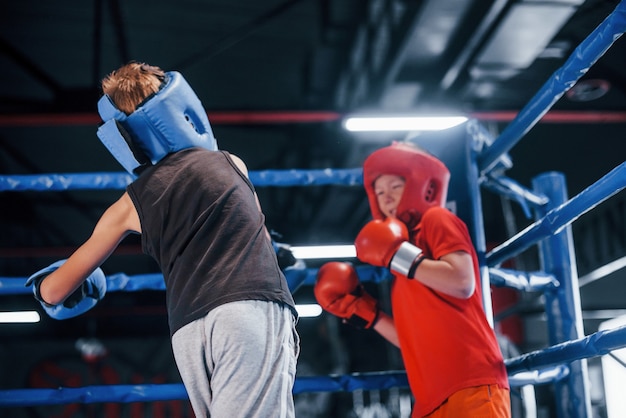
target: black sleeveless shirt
201 223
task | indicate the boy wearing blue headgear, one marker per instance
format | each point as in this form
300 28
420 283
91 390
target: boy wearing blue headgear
231 314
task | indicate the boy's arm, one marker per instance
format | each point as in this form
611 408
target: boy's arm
338 291
387 328
452 274
385 243
117 222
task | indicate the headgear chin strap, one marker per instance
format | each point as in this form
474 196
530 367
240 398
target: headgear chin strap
171 120
426 180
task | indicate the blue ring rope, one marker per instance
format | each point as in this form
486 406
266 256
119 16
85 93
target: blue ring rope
120 282
119 181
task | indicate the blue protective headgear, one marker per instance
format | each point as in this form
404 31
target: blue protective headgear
170 120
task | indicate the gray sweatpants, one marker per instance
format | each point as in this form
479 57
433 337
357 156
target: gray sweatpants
239 361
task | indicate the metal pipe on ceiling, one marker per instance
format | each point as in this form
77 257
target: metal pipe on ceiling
291 117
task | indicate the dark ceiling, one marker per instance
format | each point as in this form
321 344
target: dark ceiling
275 78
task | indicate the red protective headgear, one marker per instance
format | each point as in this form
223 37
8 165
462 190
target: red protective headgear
426 180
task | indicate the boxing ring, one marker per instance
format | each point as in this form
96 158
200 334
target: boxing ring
478 165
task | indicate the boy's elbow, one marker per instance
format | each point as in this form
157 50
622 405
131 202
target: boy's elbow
51 299
466 290
50 295
466 293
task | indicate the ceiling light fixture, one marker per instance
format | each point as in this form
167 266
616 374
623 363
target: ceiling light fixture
402 123
323 251
310 310
19 317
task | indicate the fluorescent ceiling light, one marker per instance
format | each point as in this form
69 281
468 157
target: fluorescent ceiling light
323 251
19 317
309 310
399 123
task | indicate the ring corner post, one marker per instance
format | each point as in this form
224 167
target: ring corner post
563 306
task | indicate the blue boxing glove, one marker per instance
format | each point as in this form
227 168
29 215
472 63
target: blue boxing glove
80 301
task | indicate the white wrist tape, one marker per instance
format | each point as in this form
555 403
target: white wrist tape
406 256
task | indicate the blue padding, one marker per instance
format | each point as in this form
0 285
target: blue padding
120 282
539 377
597 344
93 394
117 181
176 391
14 286
350 383
537 281
507 187
112 139
171 120
328 176
67 181
561 216
366 273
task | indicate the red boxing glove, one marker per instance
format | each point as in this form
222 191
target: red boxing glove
338 290
385 244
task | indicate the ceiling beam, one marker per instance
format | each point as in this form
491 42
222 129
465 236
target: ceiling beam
253 117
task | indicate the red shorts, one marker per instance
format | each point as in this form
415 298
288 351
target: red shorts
489 401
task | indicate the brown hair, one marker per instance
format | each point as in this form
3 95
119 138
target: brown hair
129 85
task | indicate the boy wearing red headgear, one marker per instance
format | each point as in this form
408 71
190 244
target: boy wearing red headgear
452 358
